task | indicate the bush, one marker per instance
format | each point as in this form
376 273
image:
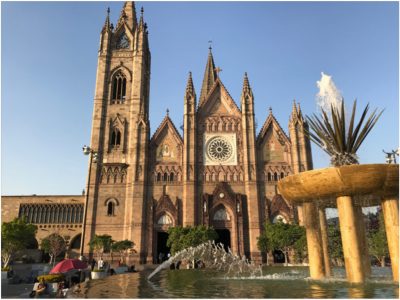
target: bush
50 278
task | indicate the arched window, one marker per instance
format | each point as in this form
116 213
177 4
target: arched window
115 138
110 209
110 206
279 218
118 88
275 177
158 176
165 177
269 176
282 175
221 215
164 220
76 242
171 177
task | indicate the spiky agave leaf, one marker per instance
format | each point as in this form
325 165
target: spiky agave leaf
330 134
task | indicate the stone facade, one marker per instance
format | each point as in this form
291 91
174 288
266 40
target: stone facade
52 214
220 173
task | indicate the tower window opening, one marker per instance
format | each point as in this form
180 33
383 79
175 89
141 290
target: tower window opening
158 177
282 175
119 88
275 177
165 177
171 177
269 176
110 209
115 138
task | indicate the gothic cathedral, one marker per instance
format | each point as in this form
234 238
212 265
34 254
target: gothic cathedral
219 173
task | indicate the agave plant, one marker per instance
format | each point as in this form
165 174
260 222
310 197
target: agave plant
330 135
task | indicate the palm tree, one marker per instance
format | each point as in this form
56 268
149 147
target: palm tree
330 135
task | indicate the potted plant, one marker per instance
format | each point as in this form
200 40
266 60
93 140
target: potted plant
99 244
52 281
122 247
4 272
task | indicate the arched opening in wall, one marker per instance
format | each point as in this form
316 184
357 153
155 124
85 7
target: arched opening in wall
165 177
158 176
224 237
279 218
275 176
282 175
32 244
115 138
75 243
171 177
162 248
279 257
269 176
221 221
110 209
119 87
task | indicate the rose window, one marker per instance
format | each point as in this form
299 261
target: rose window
219 149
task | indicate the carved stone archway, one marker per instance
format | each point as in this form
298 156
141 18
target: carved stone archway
223 210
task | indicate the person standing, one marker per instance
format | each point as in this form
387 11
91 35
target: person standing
100 263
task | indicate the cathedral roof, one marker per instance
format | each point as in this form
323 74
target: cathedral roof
268 122
164 123
218 83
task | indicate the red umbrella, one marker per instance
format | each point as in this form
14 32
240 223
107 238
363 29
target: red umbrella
67 265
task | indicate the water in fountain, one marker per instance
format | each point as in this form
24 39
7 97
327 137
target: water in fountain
213 256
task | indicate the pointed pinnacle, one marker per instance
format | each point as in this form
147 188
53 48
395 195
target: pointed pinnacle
167 112
294 108
270 110
107 24
189 85
246 84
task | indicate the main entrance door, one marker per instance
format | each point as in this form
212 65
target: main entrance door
162 249
224 237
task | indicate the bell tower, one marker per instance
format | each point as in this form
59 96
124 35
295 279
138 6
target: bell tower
120 132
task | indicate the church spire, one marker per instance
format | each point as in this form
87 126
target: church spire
128 16
107 25
246 86
209 77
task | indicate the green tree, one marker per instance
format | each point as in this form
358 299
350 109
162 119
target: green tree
335 244
122 247
54 245
180 238
300 246
377 242
15 236
283 237
100 244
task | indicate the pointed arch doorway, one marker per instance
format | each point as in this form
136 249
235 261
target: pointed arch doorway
223 211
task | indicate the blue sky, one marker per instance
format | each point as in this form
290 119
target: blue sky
49 57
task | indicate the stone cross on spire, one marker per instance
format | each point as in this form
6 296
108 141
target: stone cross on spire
217 71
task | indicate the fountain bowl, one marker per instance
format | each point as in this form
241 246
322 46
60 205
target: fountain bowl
369 182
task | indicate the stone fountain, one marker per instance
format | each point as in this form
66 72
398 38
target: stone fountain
347 188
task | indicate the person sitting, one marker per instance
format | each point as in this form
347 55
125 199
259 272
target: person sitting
41 289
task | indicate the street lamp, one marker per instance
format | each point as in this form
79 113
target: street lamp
86 151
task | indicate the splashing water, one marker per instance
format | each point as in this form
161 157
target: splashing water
213 256
328 93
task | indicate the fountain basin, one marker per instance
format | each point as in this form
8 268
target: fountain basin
370 181
348 188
